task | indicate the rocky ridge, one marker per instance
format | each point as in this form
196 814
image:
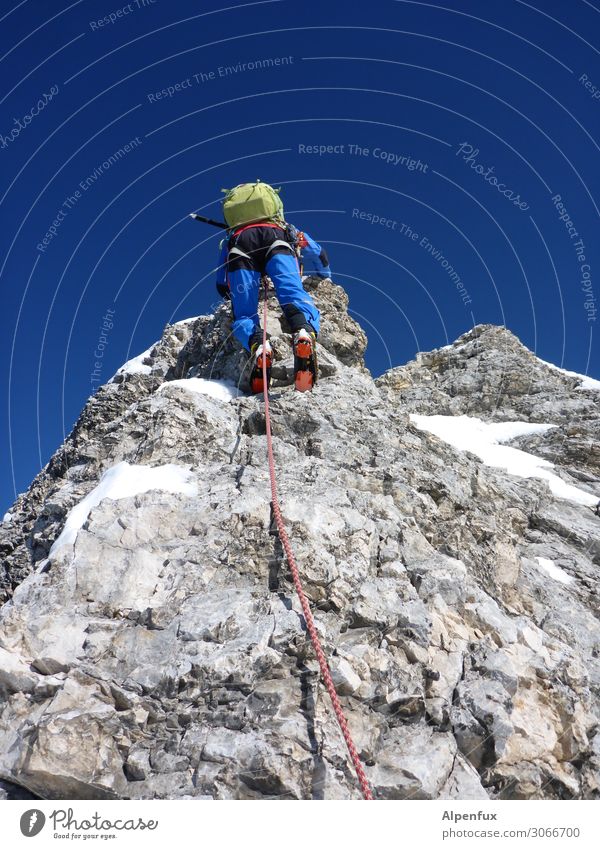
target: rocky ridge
159 651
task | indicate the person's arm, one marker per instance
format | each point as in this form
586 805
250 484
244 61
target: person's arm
221 281
314 257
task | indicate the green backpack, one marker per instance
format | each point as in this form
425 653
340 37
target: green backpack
250 202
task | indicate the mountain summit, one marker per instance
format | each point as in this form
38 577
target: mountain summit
445 522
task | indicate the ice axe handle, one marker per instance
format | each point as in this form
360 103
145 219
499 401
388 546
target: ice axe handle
211 221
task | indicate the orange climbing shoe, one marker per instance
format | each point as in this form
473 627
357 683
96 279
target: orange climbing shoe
306 368
259 353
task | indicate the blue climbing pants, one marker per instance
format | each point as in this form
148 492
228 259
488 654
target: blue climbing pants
262 249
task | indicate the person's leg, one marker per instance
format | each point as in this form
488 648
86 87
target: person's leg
298 306
244 282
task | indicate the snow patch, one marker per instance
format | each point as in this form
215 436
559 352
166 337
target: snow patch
190 320
136 365
7 519
554 571
484 440
123 481
586 382
222 390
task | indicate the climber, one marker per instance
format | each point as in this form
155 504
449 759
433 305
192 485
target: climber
260 242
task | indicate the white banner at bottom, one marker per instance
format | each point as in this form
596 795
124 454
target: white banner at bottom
265 824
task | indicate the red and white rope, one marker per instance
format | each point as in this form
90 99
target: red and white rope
310 624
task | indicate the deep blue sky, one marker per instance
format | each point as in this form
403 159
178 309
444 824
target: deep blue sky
398 79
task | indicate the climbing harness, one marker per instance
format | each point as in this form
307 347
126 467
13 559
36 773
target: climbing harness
308 617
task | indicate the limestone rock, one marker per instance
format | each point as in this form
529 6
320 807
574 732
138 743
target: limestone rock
155 647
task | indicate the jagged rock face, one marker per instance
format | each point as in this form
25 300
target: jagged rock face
161 651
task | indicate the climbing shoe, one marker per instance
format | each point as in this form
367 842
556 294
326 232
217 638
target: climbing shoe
306 368
258 354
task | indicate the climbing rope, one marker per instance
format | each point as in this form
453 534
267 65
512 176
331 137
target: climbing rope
310 624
